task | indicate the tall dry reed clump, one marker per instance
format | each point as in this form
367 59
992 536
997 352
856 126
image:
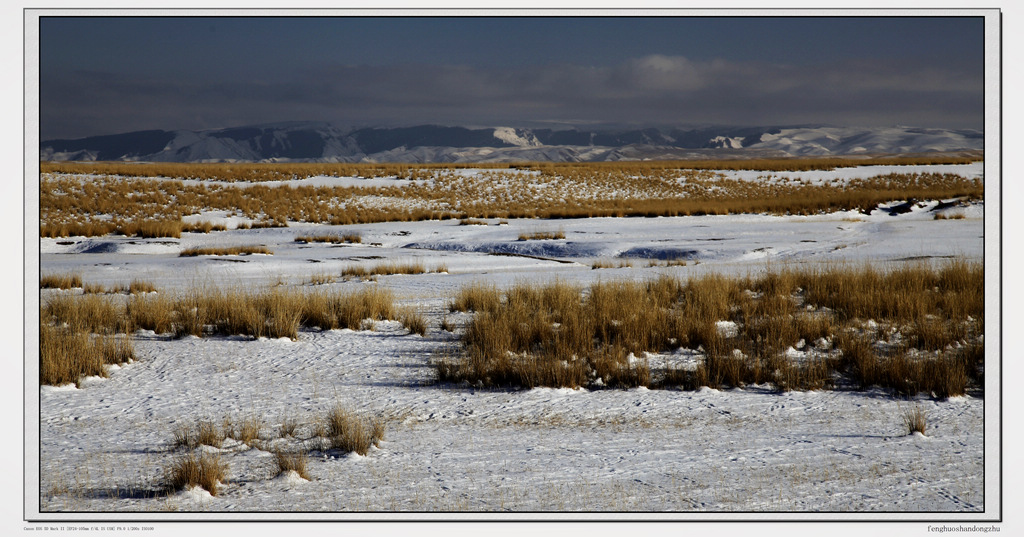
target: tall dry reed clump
205 470
68 354
350 433
562 335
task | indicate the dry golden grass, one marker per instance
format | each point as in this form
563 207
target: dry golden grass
85 313
151 228
140 286
148 312
666 263
292 462
349 432
385 269
331 238
271 313
288 171
414 321
476 297
287 426
191 470
203 433
245 429
542 235
132 204
94 289
229 250
202 227
339 310
606 264
560 335
68 354
60 281
321 278
915 420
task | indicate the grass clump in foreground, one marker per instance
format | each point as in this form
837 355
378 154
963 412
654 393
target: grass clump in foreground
910 329
191 470
414 321
476 297
914 420
292 462
350 433
67 354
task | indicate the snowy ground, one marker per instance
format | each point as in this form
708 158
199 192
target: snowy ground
453 450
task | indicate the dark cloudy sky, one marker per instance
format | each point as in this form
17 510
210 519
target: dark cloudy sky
102 75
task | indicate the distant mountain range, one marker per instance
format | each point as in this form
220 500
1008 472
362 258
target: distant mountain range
322 142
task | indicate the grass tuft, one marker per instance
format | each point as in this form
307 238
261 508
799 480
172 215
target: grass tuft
191 470
292 462
140 286
414 321
476 297
914 420
349 433
244 430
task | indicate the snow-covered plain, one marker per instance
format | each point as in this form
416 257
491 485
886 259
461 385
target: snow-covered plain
455 451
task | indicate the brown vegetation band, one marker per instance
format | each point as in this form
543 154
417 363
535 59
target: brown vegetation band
151 207
925 332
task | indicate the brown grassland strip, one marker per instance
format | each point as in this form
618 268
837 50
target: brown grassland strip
332 238
389 268
149 207
81 333
227 250
203 227
542 235
911 329
289 171
60 281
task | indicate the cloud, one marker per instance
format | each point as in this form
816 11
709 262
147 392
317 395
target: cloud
653 89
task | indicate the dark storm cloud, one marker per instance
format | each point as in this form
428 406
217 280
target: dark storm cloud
652 89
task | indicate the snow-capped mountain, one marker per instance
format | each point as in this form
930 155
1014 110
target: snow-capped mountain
316 141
